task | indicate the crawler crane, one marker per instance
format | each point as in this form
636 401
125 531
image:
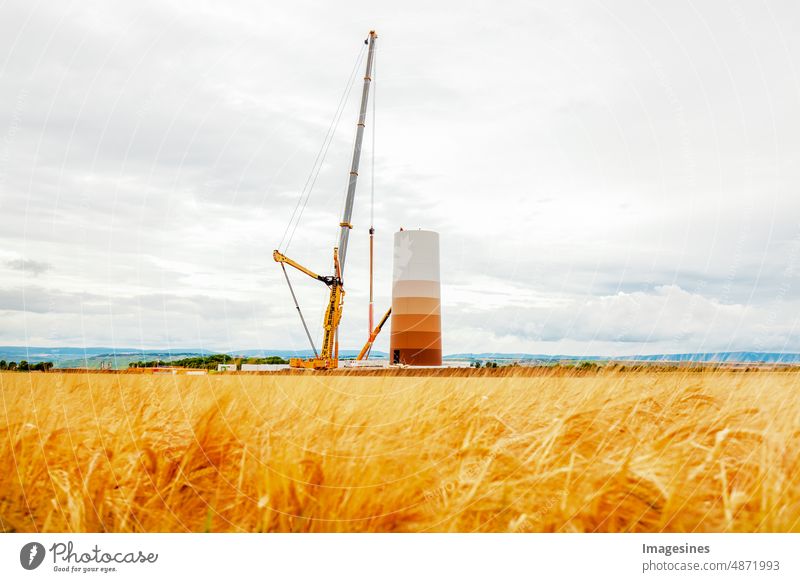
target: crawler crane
328 357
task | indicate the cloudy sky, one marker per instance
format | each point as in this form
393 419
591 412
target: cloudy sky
607 177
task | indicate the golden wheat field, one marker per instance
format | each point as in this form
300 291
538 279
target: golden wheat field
543 451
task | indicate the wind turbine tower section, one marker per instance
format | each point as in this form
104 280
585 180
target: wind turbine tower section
416 338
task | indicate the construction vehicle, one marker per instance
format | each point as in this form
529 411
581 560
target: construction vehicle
328 357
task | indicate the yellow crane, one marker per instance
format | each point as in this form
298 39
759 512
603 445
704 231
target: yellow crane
328 356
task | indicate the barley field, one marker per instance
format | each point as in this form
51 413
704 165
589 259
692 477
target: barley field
512 451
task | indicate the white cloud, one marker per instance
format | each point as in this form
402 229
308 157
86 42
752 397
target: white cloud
31 266
666 318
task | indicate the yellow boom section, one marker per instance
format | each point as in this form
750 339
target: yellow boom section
281 258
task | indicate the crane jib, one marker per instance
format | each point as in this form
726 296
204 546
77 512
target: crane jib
345 225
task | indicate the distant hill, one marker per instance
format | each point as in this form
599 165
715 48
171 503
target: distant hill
286 354
705 357
94 357
119 358
37 353
520 357
727 357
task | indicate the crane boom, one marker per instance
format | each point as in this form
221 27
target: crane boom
347 215
373 334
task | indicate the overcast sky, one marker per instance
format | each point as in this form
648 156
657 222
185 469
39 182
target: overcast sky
607 177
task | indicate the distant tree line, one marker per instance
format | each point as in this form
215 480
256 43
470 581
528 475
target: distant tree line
25 366
208 362
478 364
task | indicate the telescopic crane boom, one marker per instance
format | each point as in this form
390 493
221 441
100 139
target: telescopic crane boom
328 357
364 353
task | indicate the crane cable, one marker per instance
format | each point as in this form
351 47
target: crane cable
374 101
311 181
371 320
319 160
297 305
